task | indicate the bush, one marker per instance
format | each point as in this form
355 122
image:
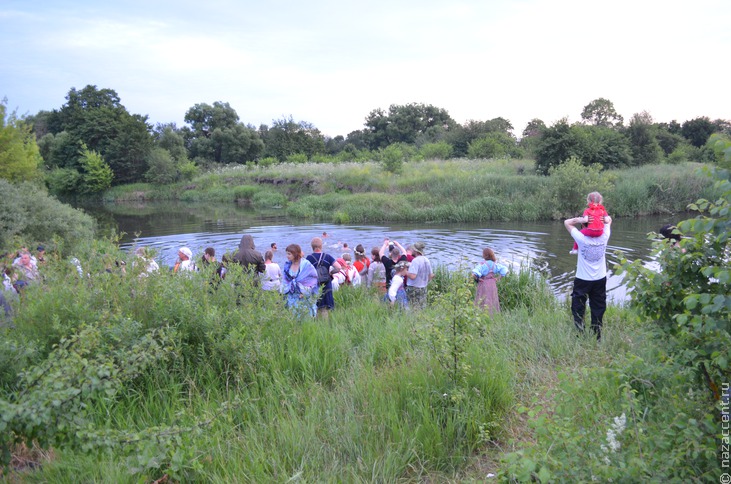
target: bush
61 181
571 182
491 145
161 167
298 158
437 151
268 161
392 158
29 214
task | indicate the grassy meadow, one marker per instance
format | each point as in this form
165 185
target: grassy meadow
112 377
458 190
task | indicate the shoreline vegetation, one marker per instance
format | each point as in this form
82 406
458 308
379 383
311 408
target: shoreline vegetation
111 377
459 190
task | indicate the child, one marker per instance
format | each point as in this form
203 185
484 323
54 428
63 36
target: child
396 292
594 213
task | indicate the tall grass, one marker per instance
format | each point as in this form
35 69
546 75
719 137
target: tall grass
359 396
439 191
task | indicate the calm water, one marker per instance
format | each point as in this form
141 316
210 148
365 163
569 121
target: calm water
545 245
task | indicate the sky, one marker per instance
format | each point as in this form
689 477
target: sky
331 62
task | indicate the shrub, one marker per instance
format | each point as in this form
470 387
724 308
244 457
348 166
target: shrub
298 158
491 145
268 161
28 213
161 167
438 151
62 181
571 182
392 158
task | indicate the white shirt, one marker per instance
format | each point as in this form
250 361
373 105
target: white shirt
396 282
271 278
421 267
592 263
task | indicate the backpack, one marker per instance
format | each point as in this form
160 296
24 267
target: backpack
323 272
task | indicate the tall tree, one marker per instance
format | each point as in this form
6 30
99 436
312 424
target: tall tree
641 135
96 118
697 131
404 123
216 135
287 137
601 112
19 155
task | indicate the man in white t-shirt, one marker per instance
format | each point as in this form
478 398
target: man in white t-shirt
420 273
591 275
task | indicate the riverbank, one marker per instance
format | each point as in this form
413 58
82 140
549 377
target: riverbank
436 191
131 379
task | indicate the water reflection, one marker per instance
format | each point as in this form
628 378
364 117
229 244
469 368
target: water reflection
544 245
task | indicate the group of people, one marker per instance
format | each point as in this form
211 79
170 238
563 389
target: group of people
402 275
18 270
308 282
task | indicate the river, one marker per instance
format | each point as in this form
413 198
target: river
543 245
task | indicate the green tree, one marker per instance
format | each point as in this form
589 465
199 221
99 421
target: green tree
169 138
162 168
461 136
558 143
641 135
216 135
697 130
601 112
404 123
492 145
287 137
19 154
96 175
96 118
601 145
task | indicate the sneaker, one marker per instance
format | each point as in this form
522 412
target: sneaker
573 252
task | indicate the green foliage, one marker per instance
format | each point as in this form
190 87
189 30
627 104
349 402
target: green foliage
697 130
161 167
688 299
633 422
287 138
720 145
19 155
571 181
641 135
601 112
267 161
296 158
403 123
439 151
96 118
96 175
63 181
29 214
492 145
48 406
216 135
392 158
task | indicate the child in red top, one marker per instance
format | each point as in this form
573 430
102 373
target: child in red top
594 213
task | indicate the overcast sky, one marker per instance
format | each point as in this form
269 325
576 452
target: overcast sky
331 63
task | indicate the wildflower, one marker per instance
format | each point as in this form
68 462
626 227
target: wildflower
613 432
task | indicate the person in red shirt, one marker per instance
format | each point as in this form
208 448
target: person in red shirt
593 218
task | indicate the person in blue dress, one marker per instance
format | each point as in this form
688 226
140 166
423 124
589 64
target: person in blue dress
299 282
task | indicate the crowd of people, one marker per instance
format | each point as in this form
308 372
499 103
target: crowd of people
401 274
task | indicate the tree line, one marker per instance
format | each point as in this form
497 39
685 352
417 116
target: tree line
92 141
